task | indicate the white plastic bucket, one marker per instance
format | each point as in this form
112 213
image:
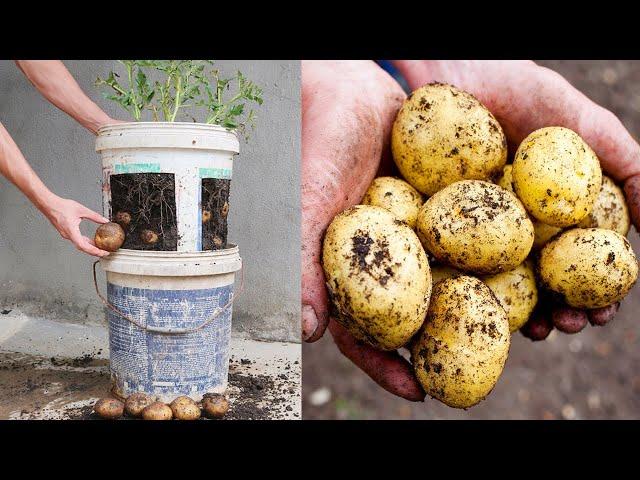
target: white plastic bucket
169 316
189 151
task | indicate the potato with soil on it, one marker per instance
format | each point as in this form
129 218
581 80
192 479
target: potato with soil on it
442 135
123 219
157 411
136 403
214 405
516 291
542 232
149 237
610 210
184 408
397 196
109 236
461 350
477 227
109 408
557 176
377 275
589 268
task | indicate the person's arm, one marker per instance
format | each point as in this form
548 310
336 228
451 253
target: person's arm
64 214
56 84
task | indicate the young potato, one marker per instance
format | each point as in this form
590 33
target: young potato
516 291
157 411
589 268
476 226
136 403
542 232
557 176
442 135
184 408
397 196
109 408
610 210
109 236
464 343
377 275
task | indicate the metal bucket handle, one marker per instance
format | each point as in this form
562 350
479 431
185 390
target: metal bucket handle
169 331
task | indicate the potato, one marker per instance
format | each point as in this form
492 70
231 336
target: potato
149 237
215 405
397 196
610 210
123 219
588 268
441 272
542 232
569 320
377 275
476 226
464 343
557 176
538 327
109 236
184 408
109 408
442 135
206 216
136 403
157 411
516 291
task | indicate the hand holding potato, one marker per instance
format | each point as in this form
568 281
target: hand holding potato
348 110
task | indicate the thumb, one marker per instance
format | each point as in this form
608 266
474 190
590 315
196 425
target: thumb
315 314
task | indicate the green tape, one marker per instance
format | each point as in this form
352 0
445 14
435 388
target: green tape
138 168
215 173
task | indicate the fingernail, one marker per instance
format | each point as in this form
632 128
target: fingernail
309 322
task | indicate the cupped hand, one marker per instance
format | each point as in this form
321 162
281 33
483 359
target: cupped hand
66 215
524 97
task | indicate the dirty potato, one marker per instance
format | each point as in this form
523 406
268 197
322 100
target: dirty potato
377 275
157 411
476 226
397 196
516 291
109 236
442 135
184 408
215 405
109 408
610 210
136 403
542 232
589 268
557 176
461 350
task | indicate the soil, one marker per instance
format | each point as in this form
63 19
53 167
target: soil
149 199
215 208
594 374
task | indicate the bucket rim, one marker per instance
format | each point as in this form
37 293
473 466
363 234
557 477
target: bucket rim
164 126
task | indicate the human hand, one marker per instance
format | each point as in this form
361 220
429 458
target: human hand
66 215
525 97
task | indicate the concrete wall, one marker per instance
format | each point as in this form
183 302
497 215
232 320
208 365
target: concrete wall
43 274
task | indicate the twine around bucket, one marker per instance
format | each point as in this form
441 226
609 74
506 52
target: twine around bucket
169 331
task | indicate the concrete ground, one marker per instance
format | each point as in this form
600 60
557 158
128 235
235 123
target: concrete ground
594 374
53 370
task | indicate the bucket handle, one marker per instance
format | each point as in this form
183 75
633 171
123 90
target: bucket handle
169 331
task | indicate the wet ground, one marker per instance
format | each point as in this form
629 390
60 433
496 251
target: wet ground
594 374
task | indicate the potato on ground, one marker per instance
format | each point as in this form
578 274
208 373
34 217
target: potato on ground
377 275
215 405
610 210
516 291
157 411
109 408
477 227
542 232
461 350
442 135
185 408
589 268
557 176
136 403
397 196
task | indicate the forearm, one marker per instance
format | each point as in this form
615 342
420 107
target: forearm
56 84
15 168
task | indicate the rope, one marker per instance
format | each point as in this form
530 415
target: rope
174 331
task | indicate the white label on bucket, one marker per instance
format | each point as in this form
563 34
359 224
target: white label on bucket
137 168
224 173
169 364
